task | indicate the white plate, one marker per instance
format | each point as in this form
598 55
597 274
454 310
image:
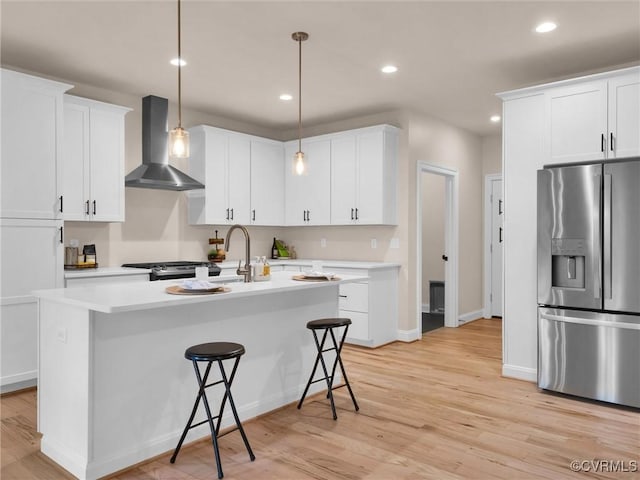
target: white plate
199 285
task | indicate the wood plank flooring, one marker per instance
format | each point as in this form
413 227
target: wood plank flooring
433 409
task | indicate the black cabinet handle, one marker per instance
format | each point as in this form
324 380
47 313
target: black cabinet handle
87 207
61 204
352 214
445 258
62 235
602 142
356 214
227 214
308 215
253 215
500 235
342 296
499 207
232 214
611 141
94 207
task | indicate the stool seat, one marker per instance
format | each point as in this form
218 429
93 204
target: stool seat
206 352
328 323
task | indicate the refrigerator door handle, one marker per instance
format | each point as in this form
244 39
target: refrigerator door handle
589 321
595 251
607 212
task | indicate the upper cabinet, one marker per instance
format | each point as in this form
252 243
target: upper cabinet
308 196
242 175
30 183
350 178
267 182
594 120
93 181
363 176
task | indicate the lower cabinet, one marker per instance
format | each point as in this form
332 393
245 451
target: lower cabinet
31 254
88 278
372 306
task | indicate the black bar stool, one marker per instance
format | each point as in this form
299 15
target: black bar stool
214 352
328 324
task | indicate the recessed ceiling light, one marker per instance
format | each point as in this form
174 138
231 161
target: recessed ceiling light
546 27
495 118
389 69
176 61
286 97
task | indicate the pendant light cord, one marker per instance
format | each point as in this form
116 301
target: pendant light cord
299 94
179 69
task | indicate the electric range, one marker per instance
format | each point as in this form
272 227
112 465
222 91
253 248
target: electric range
171 270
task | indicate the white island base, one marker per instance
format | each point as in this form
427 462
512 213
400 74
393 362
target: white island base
114 387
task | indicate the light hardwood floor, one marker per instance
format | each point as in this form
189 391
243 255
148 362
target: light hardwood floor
433 409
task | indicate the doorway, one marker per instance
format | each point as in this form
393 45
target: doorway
493 243
450 253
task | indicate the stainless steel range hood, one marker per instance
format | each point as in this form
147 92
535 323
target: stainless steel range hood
155 171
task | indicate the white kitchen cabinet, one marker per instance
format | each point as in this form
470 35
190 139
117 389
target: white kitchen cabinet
308 197
104 276
30 184
93 180
267 182
243 178
372 306
595 119
31 254
363 176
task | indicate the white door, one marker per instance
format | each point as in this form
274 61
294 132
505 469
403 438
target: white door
624 116
76 150
267 183
497 239
239 179
343 180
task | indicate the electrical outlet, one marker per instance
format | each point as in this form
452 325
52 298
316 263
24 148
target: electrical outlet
323 242
395 243
61 334
374 243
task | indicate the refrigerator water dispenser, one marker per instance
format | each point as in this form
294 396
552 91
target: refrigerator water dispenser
567 263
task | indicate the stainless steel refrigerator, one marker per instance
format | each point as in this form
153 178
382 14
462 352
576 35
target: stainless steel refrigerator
589 280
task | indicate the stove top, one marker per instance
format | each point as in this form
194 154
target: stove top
171 270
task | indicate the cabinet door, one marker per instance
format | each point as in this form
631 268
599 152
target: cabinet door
296 197
211 151
239 179
343 180
267 183
624 116
577 118
106 165
31 145
318 182
371 181
75 149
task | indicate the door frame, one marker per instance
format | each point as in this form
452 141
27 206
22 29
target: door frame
451 242
487 263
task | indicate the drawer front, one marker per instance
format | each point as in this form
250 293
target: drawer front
83 282
359 328
354 297
347 271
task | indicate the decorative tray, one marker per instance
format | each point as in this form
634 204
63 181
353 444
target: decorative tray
178 290
80 266
315 278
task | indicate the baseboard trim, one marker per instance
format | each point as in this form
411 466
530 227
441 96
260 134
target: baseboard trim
11 383
409 335
468 317
521 373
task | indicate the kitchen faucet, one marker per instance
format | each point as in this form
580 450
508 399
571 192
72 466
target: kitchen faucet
246 271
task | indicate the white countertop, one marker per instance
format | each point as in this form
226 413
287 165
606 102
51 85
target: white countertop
113 298
104 272
303 262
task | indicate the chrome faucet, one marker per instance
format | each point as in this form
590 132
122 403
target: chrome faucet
246 271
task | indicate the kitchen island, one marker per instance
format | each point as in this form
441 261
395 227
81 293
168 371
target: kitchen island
114 388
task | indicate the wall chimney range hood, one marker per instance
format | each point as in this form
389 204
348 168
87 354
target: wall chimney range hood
155 171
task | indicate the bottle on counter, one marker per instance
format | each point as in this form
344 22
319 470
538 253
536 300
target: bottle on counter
274 249
258 270
266 269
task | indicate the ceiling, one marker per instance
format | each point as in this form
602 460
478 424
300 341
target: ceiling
452 56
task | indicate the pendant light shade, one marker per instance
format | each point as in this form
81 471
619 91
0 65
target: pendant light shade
179 137
299 162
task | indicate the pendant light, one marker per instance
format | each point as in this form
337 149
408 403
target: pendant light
299 162
179 137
